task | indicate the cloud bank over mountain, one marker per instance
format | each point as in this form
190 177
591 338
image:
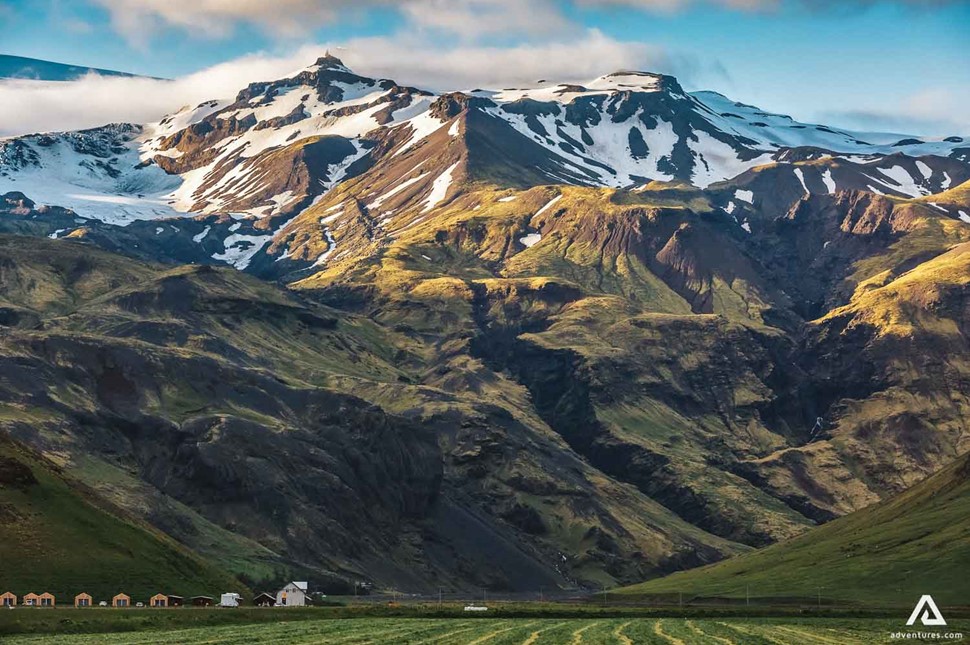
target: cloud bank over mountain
30 106
441 45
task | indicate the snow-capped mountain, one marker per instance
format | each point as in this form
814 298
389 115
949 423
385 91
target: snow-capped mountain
98 173
281 146
611 329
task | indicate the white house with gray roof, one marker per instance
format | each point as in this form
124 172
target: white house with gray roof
292 595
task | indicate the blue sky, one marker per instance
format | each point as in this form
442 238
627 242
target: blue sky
898 65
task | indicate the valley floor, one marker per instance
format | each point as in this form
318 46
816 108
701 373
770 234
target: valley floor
500 631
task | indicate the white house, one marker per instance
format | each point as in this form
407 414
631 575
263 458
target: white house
292 595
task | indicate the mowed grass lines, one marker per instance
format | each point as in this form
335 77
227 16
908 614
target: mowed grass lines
516 631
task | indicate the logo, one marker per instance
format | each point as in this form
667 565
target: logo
928 613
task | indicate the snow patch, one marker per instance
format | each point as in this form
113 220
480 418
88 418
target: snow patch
201 236
715 160
439 188
330 218
530 240
907 185
829 181
422 126
394 191
332 246
548 205
801 178
925 170
240 249
745 196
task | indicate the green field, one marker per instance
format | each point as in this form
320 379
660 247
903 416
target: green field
885 555
538 631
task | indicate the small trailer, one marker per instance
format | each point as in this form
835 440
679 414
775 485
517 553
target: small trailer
230 600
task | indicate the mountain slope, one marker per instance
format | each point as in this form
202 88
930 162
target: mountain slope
214 404
59 536
607 274
912 544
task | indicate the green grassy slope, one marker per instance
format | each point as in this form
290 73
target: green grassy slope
58 536
915 543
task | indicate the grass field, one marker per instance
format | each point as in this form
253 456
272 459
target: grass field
624 631
524 631
890 553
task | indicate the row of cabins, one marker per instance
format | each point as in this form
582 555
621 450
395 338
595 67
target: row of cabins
86 600
292 595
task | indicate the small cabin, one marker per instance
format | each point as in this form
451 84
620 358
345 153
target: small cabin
31 600
46 599
83 600
292 595
202 601
121 600
176 601
8 600
158 600
264 600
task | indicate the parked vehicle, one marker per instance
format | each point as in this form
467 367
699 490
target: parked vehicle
230 600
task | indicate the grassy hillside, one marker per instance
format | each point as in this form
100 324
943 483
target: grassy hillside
58 536
892 552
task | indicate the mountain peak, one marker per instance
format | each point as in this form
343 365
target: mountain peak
330 62
635 81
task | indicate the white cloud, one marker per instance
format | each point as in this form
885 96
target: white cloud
676 5
410 61
137 19
936 111
666 6
473 18
32 106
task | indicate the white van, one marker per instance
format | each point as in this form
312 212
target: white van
230 600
